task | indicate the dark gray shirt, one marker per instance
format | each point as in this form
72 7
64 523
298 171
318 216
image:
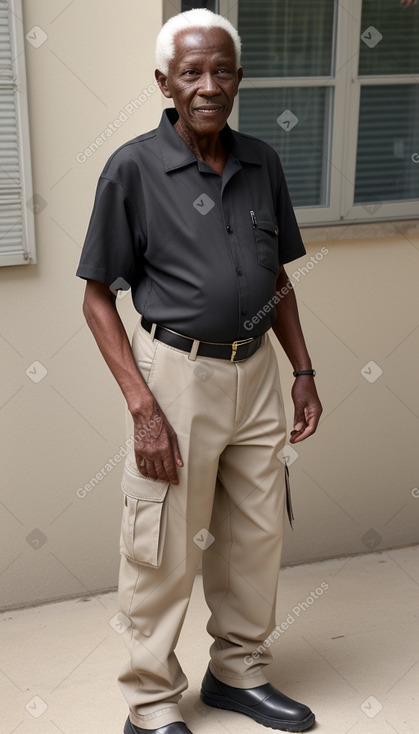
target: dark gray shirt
200 251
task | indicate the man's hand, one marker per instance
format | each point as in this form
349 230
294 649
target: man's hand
307 408
156 447
287 327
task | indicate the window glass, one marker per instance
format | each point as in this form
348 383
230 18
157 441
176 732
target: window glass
192 4
389 38
294 121
388 137
287 38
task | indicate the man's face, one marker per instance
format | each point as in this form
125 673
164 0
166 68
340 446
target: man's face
203 79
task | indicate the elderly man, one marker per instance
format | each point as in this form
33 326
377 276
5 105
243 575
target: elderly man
197 220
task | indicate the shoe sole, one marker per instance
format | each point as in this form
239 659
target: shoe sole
222 703
128 728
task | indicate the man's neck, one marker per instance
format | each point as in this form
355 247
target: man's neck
208 148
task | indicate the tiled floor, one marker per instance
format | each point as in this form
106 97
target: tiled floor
351 653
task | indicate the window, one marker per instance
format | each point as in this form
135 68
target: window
333 86
291 40
17 205
192 4
388 132
172 7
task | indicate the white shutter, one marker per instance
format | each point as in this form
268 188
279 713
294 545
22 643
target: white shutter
17 240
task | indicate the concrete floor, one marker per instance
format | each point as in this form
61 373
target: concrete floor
350 653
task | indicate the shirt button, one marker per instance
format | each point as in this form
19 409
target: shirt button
244 311
239 271
229 229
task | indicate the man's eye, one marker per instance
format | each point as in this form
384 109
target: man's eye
190 72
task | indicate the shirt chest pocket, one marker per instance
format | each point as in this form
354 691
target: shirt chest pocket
266 235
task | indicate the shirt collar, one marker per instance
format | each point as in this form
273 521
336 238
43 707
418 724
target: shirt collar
176 153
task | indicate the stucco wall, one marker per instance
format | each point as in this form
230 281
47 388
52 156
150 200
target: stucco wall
352 482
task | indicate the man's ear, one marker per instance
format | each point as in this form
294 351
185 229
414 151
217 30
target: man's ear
162 82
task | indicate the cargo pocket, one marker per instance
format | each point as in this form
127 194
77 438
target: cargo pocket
266 235
144 517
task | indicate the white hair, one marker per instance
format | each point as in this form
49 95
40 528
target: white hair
199 18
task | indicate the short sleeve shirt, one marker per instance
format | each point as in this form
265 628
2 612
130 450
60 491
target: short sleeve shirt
200 251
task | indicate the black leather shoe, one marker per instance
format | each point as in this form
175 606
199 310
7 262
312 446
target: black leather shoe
178 727
263 703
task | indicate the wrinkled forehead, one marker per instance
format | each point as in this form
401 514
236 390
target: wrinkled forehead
196 42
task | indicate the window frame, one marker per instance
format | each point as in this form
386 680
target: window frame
310 215
27 254
343 118
344 125
387 210
173 7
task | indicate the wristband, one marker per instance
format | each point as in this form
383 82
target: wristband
297 373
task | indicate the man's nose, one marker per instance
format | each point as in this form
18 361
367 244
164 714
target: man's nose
208 84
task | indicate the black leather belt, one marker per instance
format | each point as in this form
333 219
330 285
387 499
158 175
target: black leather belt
235 352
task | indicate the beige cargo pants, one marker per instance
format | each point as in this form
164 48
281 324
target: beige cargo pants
228 509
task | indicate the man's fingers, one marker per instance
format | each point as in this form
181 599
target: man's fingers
163 470
176 451
301 435
140 461
159 458
150 469
170 469
160 470
299 420
307 427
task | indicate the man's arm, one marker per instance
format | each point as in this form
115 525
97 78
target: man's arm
287 328
157 454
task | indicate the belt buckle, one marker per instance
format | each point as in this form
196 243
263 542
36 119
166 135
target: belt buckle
237 344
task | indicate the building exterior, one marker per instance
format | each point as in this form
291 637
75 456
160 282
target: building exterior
335 88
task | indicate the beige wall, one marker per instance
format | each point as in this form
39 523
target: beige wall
358 304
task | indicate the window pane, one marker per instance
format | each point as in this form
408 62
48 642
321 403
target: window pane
300 136
388 136
397 52
192 4
287 38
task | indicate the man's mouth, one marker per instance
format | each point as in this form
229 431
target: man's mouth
208 109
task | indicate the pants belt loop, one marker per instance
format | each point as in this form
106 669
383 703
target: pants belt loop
153 331
194 350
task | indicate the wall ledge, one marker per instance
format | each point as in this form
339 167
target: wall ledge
361 230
